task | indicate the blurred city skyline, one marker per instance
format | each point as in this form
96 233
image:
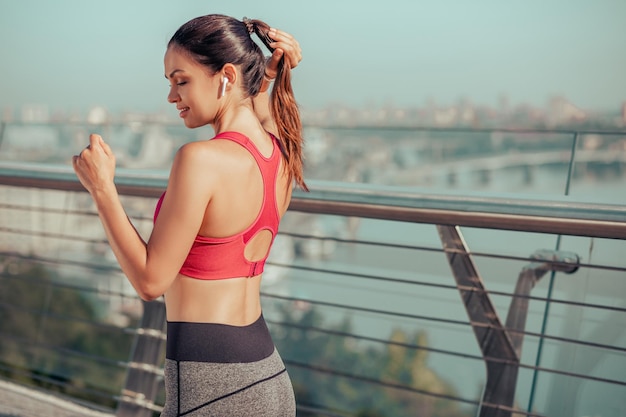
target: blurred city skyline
74 55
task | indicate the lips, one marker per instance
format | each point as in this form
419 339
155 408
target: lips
182 111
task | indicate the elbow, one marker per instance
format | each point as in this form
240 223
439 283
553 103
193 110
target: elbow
149 292
148 296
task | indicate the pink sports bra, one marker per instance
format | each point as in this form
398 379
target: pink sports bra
221 258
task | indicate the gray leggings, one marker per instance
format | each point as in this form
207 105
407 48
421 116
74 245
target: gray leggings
225 371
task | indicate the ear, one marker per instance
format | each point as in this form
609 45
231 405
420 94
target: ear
229 71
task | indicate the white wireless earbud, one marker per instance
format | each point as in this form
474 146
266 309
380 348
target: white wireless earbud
224 83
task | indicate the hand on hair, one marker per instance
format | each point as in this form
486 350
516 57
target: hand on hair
285 46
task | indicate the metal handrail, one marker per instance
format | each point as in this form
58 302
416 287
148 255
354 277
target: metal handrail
554 216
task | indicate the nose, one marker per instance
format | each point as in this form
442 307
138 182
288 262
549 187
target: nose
172 97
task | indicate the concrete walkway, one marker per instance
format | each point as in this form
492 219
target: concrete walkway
20 401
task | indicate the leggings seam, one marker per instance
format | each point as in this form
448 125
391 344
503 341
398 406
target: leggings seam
178 386
227 395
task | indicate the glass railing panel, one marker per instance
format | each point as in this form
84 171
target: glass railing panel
140 145
527 162
599 173
57 336
374 281
68 313
589 343
599 391
576 306
359 307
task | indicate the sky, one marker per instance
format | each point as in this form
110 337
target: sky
74 54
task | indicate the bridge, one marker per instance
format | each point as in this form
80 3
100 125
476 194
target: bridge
523 160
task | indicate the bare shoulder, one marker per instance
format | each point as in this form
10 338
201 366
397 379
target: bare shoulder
214 159
197 163
205 153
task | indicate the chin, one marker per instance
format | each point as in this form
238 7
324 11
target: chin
193 124
190 124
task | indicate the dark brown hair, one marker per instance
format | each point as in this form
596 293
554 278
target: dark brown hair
215 40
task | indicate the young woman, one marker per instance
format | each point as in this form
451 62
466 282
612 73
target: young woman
216 222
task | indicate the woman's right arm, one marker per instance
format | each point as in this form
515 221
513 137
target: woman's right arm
151 266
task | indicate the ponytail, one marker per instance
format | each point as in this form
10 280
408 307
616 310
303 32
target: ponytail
284 110
286 115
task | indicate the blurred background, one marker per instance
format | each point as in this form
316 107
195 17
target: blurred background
448 60
483 102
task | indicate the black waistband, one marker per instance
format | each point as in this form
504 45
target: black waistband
220 343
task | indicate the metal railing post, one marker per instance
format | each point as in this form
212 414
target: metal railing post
546 260
144 370
501 346
491 335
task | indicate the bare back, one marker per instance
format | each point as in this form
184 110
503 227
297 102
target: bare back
235 203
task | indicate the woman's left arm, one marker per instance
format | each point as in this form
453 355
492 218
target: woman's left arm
285 47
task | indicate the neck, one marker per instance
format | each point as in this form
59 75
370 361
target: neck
236 118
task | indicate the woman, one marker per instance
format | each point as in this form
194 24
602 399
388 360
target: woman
216 222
